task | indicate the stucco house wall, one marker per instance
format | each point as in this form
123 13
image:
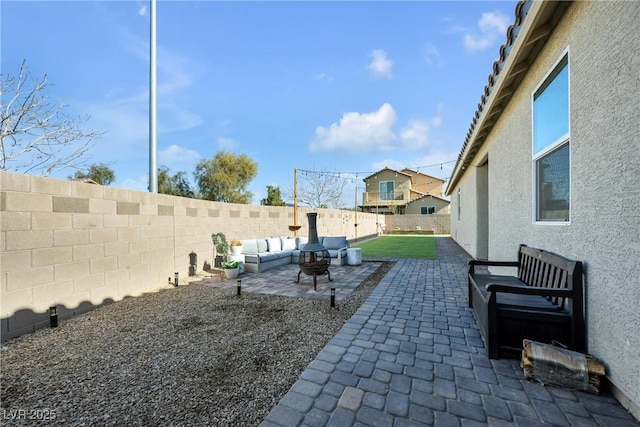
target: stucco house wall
441 206
601 39
426 183
468 226
402 186
412 190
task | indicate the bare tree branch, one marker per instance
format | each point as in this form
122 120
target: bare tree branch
36 136
321 189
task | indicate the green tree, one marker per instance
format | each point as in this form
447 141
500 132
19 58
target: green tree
176 185
98 172
225 178
36 135
274 198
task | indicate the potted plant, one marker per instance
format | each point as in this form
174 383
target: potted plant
236 247
220 248
231 269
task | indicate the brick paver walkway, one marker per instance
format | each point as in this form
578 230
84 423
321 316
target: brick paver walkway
412 355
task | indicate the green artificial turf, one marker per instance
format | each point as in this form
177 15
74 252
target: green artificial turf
400 246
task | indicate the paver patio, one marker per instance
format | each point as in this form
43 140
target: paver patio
412 355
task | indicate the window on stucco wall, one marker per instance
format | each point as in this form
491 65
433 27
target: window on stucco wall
427 210
551 154
387 190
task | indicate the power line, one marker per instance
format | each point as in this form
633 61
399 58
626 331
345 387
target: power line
354 175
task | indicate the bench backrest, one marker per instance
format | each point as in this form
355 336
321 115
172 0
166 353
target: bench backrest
546 269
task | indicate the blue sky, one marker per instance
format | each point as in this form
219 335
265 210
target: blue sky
347 87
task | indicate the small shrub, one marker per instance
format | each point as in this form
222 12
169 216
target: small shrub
230 264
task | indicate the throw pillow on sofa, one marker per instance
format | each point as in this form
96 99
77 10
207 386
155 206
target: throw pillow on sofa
301 241
335 242
262 245
274 244
288 244
250 246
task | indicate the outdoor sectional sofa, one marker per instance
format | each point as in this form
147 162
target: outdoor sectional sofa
270 252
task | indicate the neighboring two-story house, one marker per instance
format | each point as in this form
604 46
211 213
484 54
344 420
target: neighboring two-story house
390 192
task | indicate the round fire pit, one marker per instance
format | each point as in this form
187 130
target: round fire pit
314 258
319 268
314 263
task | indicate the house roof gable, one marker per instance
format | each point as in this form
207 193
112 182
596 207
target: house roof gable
424 196
385 170
406 171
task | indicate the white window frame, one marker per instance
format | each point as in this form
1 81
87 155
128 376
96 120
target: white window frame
386 192
427 207
564 139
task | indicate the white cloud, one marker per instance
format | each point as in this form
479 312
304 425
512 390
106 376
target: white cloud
358 132
124 124
173 118
368 132
227 144
125 114
174 70
491 27
174 74
416 135
388 163
324 77
432 56
380 65
178 158
140 184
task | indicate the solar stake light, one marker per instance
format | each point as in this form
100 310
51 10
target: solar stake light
333 297
53 316
175 283
239 283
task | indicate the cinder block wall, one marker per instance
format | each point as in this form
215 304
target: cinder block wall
440 223
77 245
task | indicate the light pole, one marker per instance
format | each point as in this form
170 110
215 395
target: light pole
295 227
153 168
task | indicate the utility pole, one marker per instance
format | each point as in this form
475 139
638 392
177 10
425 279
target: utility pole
295 227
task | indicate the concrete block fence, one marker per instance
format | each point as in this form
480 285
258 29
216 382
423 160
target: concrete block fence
76 246
440 223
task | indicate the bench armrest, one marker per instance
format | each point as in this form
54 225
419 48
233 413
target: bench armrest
495 263
528 290
474 262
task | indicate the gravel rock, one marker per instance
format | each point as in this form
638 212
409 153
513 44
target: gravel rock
193 355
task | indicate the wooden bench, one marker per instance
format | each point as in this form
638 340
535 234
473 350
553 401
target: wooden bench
543 303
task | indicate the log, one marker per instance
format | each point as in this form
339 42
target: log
557 366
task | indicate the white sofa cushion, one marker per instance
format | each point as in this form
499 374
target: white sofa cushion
250 246
301 241
262 245
274 244
288 244
335 242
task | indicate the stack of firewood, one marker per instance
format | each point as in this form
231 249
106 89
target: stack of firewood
557 366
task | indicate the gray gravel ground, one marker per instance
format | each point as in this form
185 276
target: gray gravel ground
194 355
